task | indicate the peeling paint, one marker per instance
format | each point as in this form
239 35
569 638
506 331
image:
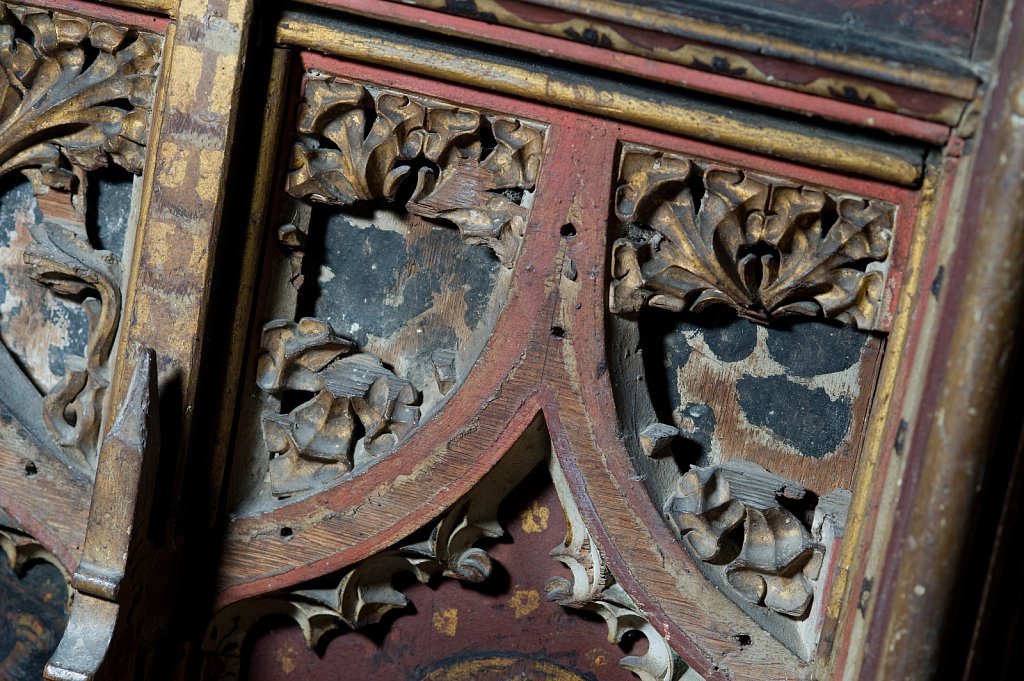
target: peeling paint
788 389
399 286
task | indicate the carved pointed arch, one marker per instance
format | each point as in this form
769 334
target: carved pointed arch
446 547
362 594
540 359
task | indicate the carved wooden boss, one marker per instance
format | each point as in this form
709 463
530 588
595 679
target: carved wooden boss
293 301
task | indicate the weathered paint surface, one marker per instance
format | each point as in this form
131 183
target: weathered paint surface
501 629
738 390
527 367
402 288
38 327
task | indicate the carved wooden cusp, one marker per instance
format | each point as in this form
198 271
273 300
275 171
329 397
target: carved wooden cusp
700 234
454 164
363 594
356 407
592 588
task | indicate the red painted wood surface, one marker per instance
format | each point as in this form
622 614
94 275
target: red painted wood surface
105 12
674 74
322 549
455 631
526 369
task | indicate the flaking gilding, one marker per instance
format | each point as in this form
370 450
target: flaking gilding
700 235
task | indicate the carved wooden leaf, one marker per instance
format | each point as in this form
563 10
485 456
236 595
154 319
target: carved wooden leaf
777 548
314 442
776 556
703 236
365 593
56 100
358 146
75 95
593 588
704 512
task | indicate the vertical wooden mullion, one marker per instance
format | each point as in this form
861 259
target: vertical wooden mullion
168 295
184 191
242 325
924 588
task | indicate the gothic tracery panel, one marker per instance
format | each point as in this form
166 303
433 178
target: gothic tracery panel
756 307
76 97
318 371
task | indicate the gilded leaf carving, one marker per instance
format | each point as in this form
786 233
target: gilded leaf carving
78 94
352 407
700 234
453 164
768 554
777 561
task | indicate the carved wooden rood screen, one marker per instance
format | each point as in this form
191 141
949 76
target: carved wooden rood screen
533 339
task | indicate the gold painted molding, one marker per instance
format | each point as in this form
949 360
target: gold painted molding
649 107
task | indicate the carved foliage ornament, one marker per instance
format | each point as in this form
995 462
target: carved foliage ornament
74 96
591 587
468 168
362 595
767 553
351 405
701 235
79 93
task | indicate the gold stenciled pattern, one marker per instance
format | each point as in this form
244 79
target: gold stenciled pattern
700 234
